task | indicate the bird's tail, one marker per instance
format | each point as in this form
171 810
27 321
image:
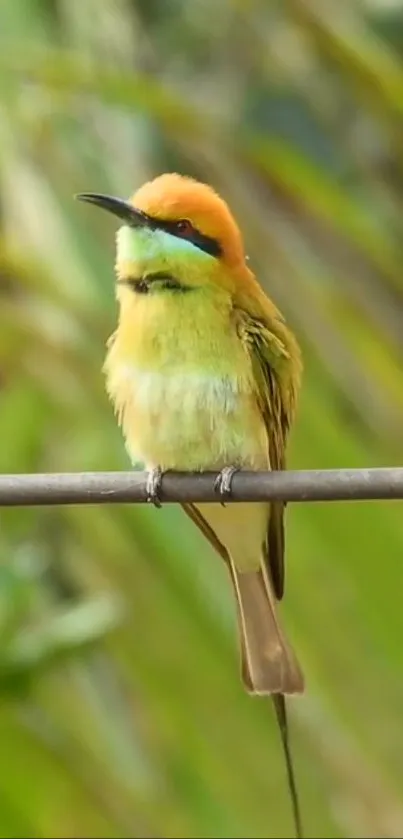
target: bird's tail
268 662
269 665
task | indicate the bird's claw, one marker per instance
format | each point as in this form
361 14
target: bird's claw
223 482
153 486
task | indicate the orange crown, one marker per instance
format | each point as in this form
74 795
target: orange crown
171 197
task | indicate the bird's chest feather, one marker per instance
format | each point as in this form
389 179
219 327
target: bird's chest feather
183 389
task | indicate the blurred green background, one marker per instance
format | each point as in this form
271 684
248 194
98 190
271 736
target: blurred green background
121 707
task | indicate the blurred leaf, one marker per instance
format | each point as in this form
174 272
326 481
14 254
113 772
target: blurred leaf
119 620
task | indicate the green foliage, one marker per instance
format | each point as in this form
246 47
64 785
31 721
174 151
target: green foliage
121 708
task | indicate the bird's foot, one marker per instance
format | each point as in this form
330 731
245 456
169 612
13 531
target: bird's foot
153 486
223 483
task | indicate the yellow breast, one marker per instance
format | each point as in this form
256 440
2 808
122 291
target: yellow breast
183 388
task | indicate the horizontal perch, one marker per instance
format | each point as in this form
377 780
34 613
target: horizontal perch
121 487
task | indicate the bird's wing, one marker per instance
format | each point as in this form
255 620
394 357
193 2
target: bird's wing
277 381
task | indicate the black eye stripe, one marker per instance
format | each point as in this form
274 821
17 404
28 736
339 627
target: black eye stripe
136 218
204 243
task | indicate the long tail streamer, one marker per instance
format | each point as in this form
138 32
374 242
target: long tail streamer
281 714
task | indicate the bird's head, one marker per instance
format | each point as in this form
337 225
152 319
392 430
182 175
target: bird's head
177 235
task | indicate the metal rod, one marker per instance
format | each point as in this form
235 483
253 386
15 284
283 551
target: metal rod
130 487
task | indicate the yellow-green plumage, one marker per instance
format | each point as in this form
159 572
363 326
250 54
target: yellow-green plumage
184 388
199 380
203 373
183 384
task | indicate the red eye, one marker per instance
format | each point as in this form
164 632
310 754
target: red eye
184 227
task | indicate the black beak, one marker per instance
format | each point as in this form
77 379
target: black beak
120 208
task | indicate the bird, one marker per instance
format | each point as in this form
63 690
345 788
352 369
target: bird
204 374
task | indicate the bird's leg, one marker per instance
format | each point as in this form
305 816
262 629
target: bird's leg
153 486
223 483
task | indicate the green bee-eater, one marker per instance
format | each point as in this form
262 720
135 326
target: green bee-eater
204 375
